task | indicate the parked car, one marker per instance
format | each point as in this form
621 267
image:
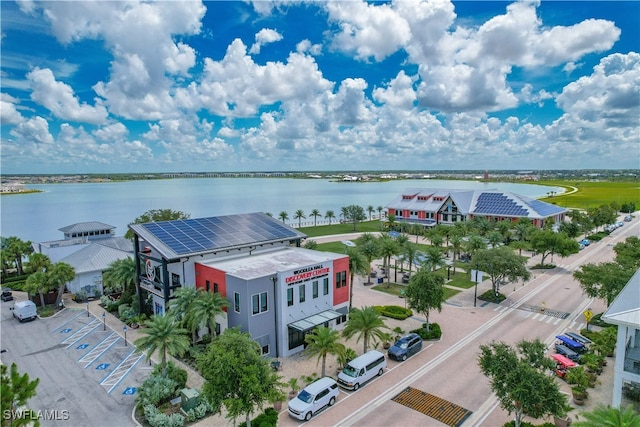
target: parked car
24 311
406 277
362 369
314 397
405 347
627 218
585 242
7 295
619 224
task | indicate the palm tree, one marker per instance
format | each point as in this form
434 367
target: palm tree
283 216
121 274
207 307
370 210
369 249
181 308
38 262
364 323
387 247
482 225
611 417
433 257
330 215
17 249
323 341
315 214
299 215
475 243
495 238
163 334
37 283
380 209
344 212
357 265
456 246
59 275
410 252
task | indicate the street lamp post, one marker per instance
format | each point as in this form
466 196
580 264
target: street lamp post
104 321
87 308
475 292
124 328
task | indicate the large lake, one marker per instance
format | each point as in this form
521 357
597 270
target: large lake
39 216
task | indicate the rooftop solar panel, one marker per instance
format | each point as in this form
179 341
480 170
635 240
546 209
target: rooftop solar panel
209 234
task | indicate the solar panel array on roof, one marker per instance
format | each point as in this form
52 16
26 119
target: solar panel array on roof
205 234
544 209
498 204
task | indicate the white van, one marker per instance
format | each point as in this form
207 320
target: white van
313 398
362 369
24 310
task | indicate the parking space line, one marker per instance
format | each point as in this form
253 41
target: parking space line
99 349
120 372
82 332
70 320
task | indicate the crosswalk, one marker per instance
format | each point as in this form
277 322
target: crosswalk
548 316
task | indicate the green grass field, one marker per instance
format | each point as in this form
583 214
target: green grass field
592 194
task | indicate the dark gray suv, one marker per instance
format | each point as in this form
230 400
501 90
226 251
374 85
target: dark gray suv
405 347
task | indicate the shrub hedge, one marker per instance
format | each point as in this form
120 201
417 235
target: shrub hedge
490 296
394 311
433 333
269 418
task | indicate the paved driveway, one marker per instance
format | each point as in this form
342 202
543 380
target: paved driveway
88 377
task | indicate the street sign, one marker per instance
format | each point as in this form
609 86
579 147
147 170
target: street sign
129 390
102 366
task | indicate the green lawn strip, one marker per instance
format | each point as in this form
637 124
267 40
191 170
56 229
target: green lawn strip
395 288
326 230
592 194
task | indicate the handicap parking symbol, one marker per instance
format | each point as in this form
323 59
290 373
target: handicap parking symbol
65 331
82 346
102 366
129 391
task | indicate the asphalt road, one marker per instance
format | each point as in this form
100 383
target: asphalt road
83 380
448 369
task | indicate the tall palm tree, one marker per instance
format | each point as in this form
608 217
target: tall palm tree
433 257
299 215
181 308
323 341
380 209
58 276
344 212
207 307
315 214
17 249
475 243
38 262
410 252
495 238
370 210
387 247
364 323
121 274
369 249
456 246
283 216
357 265
163 335
330 215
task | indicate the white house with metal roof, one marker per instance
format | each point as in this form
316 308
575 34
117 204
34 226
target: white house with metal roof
624 312
429 207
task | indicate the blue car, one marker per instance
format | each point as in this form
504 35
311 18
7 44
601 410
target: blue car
405 347
585 242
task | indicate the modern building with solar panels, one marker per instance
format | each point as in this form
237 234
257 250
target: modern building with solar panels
429 207
277 291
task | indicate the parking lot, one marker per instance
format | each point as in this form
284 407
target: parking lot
88 376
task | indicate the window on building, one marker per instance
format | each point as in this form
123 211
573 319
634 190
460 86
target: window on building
215 287
296 338
325 286
315 289
302 289
259 303
290 297
236 302
265 349
208 285
341 279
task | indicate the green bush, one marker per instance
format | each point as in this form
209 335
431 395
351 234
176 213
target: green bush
543 267
155 390
490 296
269 418
11 279
174 373
394 311
199 412
433 333
155 418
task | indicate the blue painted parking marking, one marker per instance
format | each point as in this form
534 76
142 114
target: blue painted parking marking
129 390
65 331
102 366
68 321
82 346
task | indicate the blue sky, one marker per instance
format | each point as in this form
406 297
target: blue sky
175 86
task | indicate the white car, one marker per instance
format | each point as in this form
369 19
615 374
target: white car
317 395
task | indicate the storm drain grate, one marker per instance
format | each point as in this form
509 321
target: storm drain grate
433 406
545 311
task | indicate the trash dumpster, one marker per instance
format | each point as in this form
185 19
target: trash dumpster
190 398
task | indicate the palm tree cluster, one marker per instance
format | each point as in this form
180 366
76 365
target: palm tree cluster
351 213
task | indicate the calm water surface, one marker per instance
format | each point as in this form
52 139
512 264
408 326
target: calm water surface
37 217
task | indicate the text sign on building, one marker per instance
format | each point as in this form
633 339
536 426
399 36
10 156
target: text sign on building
307 273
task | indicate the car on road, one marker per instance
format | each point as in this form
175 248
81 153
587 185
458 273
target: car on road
314 397
585 242
7 295
627 218
619 224
405 347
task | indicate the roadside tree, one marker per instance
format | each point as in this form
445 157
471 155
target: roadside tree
164 335
628 253
321 342
502 265
548 242
604 280
237 377
330 215
16 390
519 378
425 292
370 210
156 215
354 214
16 249
315 214
283 216
357 265
602 215
365 323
